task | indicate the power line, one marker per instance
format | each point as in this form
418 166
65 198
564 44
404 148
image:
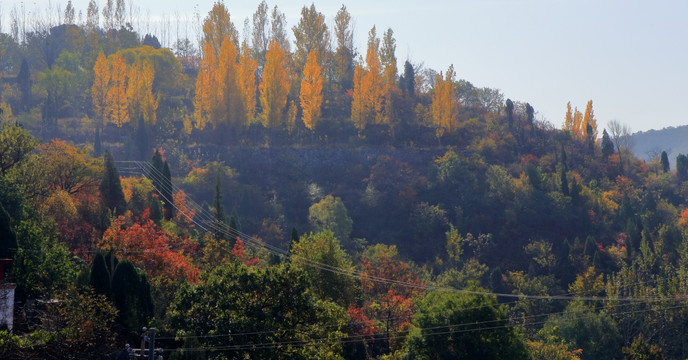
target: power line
150 171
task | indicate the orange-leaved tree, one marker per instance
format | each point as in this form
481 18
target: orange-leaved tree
99 89
311 96
274 88
247 82
445 105
389 302
229 109
142 101
117 101
204 99
165 258
366 104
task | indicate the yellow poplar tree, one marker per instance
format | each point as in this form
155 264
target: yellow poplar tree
366 104
142 102
311 96
589 119
568 121
99 90
445 105
577 122
205 88
247 82
274 87
117 102
227 103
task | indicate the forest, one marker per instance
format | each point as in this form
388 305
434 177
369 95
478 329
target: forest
277 194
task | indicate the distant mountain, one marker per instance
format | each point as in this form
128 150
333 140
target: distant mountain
673 140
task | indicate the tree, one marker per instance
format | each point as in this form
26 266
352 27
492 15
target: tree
367 101
259 36
390 304
343 66
271 305
589 125
330 214
216 27
278 30
229 108
445 107
117 101
164 257
407 82
311 35
24 84
99 90
459 326
274 87
66 167
595 332
324 248
640 349
142 102
391 91
311 92
607 144
665 162
69 13
620 135
131 295
205 97
247 83
15 144
111 187
682 167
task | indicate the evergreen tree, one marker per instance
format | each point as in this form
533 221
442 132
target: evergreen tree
407 82
155 209
607 144
665 162
156 171
142 140
590 247
111 187
97 146
132 296
510 113
100 275
24 83
682 167
294 238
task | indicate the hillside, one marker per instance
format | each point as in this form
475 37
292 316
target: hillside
272 199
673 140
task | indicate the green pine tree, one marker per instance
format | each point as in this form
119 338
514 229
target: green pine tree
97 146
607 144
665 162
111 187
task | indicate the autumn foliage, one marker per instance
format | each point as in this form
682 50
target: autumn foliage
164 257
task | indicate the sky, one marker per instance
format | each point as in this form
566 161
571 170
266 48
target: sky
628 56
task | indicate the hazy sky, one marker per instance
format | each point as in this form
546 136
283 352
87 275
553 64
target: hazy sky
629 56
